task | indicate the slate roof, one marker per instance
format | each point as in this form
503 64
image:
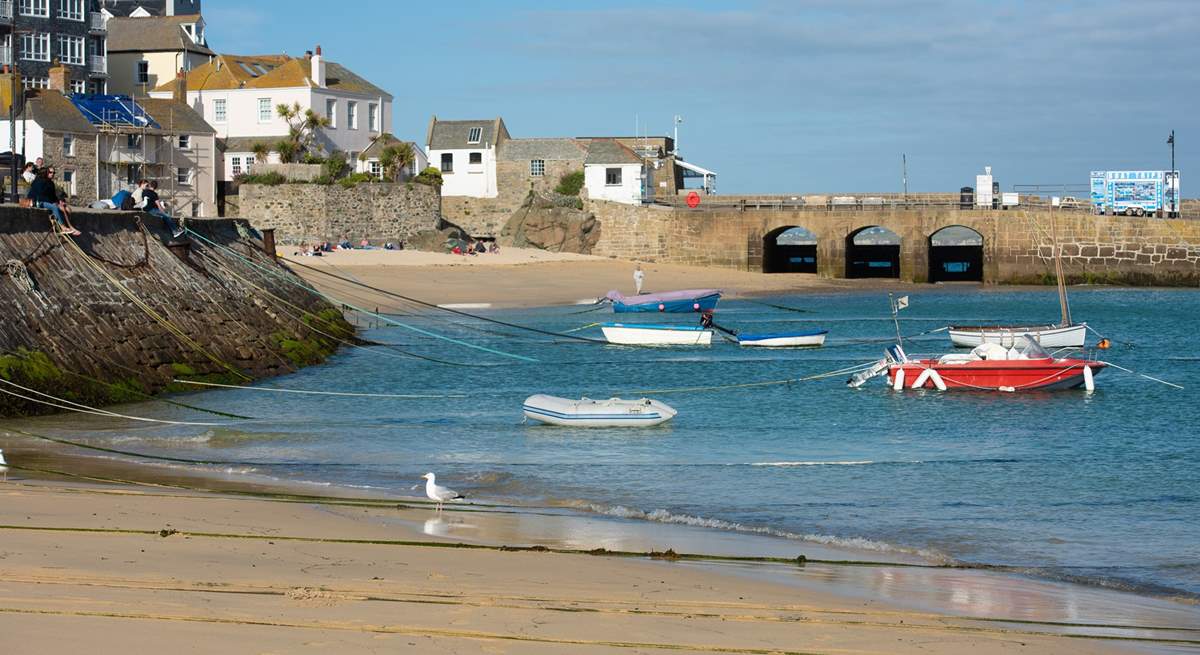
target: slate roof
175 116
56 113
609 151
271 72
246 143
375 150
548 149
154 34
452 135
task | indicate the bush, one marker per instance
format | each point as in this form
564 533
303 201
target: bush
351 181
335 167
431 176
271 179
570 184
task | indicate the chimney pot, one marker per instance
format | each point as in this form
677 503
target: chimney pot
318 50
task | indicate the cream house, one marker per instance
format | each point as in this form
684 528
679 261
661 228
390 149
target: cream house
145 53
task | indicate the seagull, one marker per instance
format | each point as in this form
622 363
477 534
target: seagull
3 466
438 493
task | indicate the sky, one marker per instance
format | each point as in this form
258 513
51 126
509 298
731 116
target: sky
806 96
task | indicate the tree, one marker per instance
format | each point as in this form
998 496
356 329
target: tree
570 184
303 127
394 159
261 151
431 176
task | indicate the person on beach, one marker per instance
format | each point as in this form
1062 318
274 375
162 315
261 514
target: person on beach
44 195
156 207
638 277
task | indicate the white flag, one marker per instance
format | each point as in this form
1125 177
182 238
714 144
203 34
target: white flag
901 302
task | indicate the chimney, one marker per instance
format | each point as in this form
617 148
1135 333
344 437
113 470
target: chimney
318 68
179 91
60 79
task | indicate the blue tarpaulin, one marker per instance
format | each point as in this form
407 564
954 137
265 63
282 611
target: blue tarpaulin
114 110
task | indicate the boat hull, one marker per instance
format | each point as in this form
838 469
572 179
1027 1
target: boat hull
1049 336
810 339
656 335
587 413
997 375
679 306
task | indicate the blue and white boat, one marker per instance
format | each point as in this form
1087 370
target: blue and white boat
672 302
804 339
649 334
589 413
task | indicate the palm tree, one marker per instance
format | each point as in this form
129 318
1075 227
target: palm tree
395 158
303 125
261 150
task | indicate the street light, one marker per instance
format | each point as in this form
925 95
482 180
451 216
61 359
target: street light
1172 175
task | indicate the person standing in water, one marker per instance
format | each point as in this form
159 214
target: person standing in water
638 277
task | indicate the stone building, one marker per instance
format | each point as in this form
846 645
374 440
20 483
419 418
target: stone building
146 52
34 34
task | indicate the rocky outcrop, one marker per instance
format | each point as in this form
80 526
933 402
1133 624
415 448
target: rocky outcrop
549 224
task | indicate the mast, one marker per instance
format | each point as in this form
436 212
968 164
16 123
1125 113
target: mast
1058 274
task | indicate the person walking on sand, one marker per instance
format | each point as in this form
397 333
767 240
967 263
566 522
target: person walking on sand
638 277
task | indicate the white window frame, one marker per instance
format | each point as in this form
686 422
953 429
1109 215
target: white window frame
185 142
70 181
141 72
475 135
249 162
608 171
351 115
35 46
235 166
71 10
537 167
446 163
35 8
264 110
78 86
220 110
69 145
373 117
375 168
183 175
331 111
71 49
35 82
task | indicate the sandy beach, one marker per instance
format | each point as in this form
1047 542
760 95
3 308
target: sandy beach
111 569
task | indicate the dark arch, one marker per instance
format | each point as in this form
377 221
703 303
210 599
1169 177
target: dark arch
872 251
956 255
790 249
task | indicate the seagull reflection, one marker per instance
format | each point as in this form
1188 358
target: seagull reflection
441 527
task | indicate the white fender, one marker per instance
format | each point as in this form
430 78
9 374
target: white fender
898 380
1089 382
937 380
920 381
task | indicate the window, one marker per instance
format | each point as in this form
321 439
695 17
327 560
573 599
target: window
373 117
68 180
143 73
612 177
70 49
183 175
249 162
185 141
375 168
78 86
331 112
70 9
352 115
35 47
219 110
35 8
195 208
264 110
537 167
69 145
447 162
133 141
475 135
475 159
235 166
133 173
97 86
35 83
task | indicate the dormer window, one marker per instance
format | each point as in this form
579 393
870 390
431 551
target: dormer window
475 135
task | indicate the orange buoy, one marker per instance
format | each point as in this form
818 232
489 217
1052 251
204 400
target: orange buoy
1104 344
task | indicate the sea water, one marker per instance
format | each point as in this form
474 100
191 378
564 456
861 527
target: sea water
1100 489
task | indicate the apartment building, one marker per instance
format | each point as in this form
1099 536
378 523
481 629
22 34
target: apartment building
36 33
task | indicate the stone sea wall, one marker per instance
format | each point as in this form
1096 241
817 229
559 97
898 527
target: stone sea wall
307 213
69 330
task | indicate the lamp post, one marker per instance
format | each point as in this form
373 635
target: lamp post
1173 176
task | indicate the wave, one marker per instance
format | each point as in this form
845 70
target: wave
664 516
863 462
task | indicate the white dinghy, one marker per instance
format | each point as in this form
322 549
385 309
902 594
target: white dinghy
640 334
589 413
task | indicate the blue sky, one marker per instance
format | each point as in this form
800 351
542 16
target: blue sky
784 97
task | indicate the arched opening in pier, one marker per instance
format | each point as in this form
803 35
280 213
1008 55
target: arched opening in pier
873 251
956 255
790 249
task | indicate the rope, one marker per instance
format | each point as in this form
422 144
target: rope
1128 344
1121 368
320 393
170 327
783 307
114 451
746 385
85 409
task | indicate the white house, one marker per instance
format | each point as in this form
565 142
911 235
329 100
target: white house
465 151
238 95
612 171
369 160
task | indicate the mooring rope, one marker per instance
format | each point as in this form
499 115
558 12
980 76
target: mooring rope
86 409
746 385
163 458
323 393
1122 368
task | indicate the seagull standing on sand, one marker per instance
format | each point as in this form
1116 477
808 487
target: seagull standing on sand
438 493
3 466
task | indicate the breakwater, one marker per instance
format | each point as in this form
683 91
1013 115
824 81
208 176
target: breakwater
118 313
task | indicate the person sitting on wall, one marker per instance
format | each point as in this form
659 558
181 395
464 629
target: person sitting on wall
43 195
345 244
139 202
494 248
156 207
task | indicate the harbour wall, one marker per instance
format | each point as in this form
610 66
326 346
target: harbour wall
189 309
308 213
1018 245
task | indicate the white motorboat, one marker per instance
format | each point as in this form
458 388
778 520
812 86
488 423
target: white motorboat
589 413
638 334
1049 336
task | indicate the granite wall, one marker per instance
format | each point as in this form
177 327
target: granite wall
306 213
68 330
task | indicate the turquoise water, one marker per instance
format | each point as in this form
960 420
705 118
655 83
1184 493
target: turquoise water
1101 489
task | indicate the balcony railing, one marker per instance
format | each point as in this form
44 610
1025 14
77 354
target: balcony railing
6 56
96 23
6 11
98 65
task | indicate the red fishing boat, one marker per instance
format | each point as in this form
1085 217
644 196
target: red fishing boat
991 367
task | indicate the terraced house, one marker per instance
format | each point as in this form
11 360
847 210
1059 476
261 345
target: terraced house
238 96
36 33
